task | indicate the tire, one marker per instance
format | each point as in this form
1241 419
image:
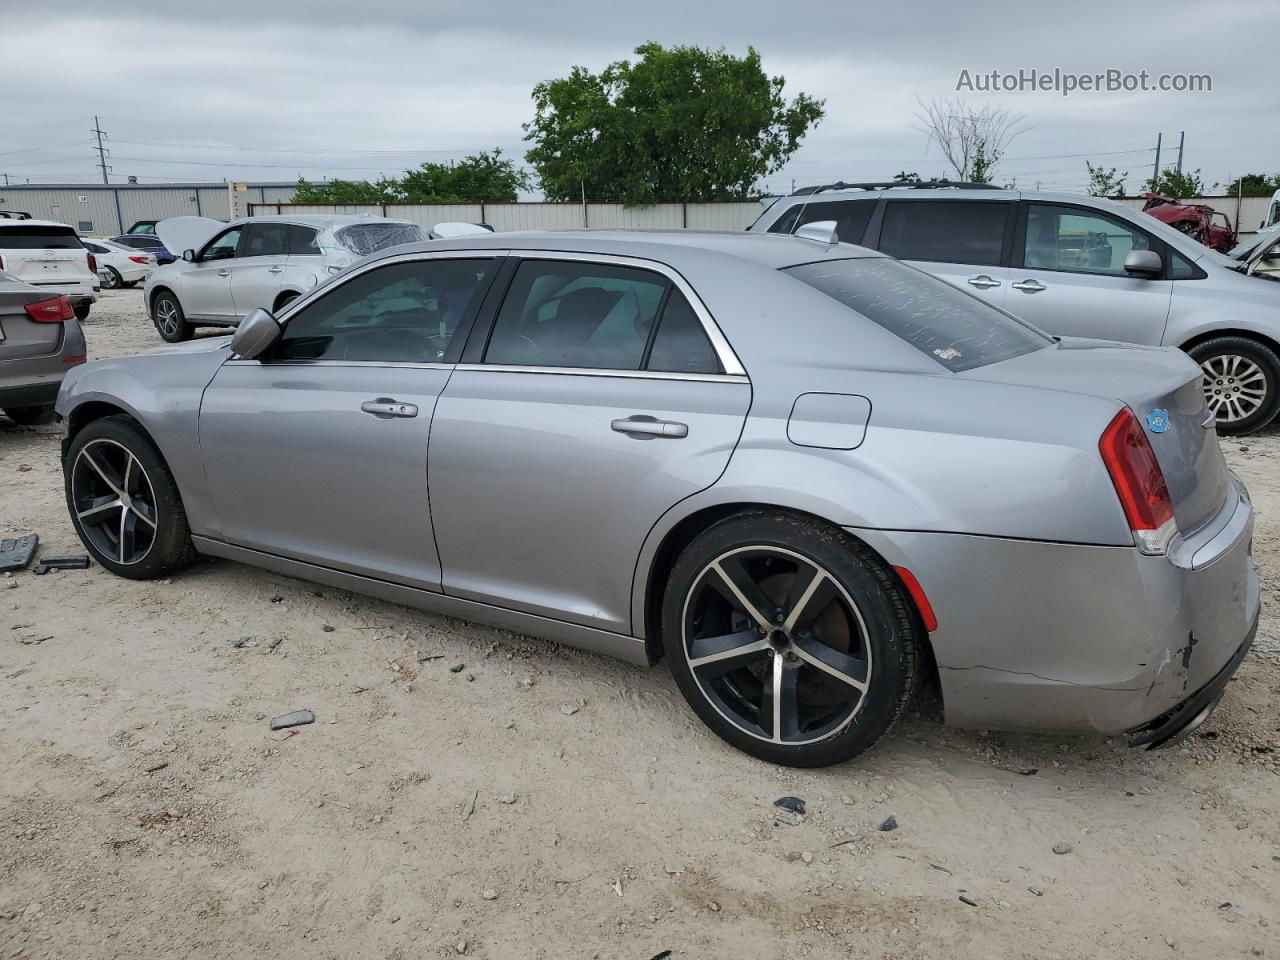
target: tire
171 323
113 279
30 416
149 537
81 309
284 300
858 604
129 284
1241 382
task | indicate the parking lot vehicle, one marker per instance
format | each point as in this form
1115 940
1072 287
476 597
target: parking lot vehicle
50 256
119 266
226 271
40 340
142 228
798 471
1199 221
146 244
1259 253
1075 266
1273 212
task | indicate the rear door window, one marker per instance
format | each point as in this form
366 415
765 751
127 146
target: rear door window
302 241
946 231
265 240
851 217
680 345
955 329
27 237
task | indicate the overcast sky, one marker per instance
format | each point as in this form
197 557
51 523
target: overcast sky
272 89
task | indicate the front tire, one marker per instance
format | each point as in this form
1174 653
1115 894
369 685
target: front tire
30 416
790 639
1241 382
124 502
171 323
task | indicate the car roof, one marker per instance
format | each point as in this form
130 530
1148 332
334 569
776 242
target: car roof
32 223
318 219
766 249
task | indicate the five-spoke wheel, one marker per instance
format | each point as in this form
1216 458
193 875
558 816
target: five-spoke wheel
171 323
792 641
1241 382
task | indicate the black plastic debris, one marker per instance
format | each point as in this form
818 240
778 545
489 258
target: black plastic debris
79 561
457 668
1029 771
296 719
889 824
794 804
15 554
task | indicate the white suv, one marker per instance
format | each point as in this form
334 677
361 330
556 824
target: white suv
51 257
229 270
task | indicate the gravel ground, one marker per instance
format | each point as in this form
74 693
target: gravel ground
146 812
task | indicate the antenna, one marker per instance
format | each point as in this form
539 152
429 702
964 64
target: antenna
102 151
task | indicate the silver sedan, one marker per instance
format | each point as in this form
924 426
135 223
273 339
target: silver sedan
807 476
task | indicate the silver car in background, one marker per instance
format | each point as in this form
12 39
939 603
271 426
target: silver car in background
228 270
1077 267
806 475
40 340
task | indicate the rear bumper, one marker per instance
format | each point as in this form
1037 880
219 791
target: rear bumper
1061 637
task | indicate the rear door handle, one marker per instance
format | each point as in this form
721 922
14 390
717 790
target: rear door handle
224 273
275 269
384 408
982 282
1029 286
643 426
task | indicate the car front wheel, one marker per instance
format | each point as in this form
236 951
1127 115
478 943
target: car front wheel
790 639
171 322
1241 382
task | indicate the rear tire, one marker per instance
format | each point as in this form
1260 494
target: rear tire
837 663
82 309
171 323
112 280
30 416
143 535
1241 382
283 301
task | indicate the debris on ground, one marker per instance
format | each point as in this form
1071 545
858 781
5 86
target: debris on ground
328 628
160 765
568 709
890 823
17 552
243 642
1029 771
1062 847
794 804
295 719
507 798
78 561
489 895
457 668
274 642
469 807
965 898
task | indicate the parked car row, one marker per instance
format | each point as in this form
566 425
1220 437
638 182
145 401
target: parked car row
1076 266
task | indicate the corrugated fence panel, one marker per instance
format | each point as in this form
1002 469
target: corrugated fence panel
533 216
430 214
723 216
614 216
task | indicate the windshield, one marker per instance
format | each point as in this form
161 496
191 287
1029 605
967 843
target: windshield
18 237
363 239
1249 244
957 330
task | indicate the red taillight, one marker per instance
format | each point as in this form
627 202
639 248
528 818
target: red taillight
1 263
75 358
50 311
93 263
917 594
1139 482
138 259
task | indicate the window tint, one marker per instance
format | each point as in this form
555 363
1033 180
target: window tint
959 331
400 313
1181 268
265 240
302 241
1079 241
787 222
851 217
38 238
222 246
681 345
560 314
96 247
948 231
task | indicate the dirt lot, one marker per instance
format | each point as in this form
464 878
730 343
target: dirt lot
145 811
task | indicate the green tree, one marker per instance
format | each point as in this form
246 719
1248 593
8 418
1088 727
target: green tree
1254 185
902 176
1105 182
1182 185
678 124
481 176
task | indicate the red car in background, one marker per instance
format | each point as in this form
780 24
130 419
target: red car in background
1197 220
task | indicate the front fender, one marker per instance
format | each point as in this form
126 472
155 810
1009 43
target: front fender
162 393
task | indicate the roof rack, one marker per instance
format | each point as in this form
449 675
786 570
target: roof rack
15 215
897 185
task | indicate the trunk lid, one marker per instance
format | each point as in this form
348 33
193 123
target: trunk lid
1162 386
19 336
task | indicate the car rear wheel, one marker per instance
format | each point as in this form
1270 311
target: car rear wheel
111 278
171 322
1241 382
790 639
30 416
82 309
124 502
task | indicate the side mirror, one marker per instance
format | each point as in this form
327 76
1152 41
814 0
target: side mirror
255 335
1143 263
189 256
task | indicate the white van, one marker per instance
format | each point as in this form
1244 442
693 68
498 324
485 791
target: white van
50 256
1273 212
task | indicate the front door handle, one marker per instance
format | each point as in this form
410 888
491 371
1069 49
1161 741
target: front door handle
384 408
224 273
982 282
1029 286
275 269
644 427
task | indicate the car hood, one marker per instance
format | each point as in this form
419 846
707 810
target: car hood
202 345
186 233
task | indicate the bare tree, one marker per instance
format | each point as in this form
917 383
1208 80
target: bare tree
972 141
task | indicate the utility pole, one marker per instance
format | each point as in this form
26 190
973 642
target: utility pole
6 179
1182 139
102 153
1155 170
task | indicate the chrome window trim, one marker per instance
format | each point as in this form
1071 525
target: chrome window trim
724 352
603 372
343 363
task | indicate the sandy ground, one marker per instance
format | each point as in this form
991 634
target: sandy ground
145 811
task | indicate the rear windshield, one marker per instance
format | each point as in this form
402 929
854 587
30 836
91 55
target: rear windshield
957 330
21 237
363 239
